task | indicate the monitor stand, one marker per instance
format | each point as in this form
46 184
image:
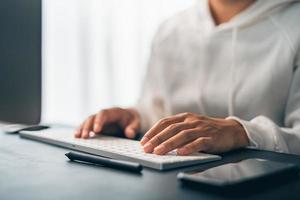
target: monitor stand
15 128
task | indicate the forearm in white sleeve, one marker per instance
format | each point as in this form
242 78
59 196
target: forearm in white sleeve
263 133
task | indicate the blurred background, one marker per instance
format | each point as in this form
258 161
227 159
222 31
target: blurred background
95 53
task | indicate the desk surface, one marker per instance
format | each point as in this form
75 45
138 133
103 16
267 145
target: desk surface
33 170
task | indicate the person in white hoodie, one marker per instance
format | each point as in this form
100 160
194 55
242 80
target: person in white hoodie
223 74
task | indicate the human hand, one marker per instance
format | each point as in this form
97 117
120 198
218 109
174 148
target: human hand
126 119
189 133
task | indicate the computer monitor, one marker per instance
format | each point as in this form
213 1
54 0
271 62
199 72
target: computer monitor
20 61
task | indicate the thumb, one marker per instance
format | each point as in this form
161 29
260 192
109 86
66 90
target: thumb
132 129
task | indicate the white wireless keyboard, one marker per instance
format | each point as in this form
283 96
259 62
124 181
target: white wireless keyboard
116 148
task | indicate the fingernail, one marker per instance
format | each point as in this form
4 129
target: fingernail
148 148
144 140
96 128
85 135
182 151
130 133
92 134
160 149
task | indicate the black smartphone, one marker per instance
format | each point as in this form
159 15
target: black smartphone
245 174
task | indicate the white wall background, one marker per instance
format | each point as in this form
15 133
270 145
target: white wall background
95 53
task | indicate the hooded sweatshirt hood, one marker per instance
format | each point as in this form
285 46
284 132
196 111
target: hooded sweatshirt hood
254 13
246 69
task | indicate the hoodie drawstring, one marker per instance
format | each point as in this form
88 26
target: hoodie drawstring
231 92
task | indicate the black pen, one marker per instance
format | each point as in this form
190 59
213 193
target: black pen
108 162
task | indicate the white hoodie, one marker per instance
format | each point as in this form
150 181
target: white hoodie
246 69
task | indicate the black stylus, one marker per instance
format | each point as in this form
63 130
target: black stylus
108 162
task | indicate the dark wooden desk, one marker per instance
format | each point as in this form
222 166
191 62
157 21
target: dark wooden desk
36 171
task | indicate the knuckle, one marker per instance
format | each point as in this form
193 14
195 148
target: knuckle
164 121
192 147
200 145
157 139
170 144
190 117
204 144
199 129
190 135
160 121
190 122
184 132
187 114
187 134
197 122
172 127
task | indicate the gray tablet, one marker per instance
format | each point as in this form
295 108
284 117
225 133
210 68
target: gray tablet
240 175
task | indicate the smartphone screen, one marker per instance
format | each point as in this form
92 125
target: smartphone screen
249 170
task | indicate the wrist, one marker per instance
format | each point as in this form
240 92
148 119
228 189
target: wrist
240 134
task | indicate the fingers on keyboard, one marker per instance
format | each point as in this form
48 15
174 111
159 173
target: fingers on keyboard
86 127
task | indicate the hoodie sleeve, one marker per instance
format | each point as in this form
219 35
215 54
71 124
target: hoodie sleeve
263 133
